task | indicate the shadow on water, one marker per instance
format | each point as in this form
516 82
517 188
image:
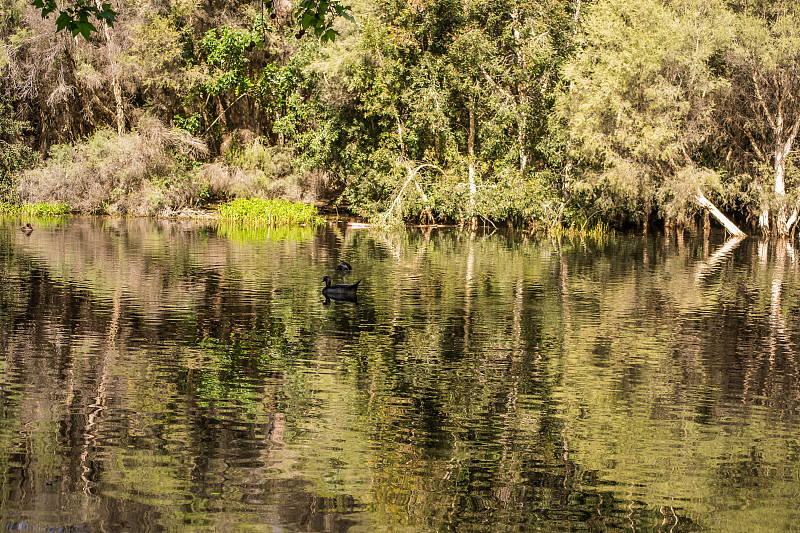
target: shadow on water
169 375
352 298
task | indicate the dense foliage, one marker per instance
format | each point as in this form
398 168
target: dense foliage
273 212
540 113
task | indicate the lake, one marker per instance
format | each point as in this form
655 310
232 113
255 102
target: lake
179 376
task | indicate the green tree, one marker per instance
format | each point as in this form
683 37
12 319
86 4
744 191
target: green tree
14 156
760 114
639 104
449 100
245 85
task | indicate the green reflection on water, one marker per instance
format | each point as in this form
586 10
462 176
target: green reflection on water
170 374
245 233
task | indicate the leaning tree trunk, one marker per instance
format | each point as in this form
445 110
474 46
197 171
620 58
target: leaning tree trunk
725 221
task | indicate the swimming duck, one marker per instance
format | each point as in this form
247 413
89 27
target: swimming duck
341 291
344 266
27 229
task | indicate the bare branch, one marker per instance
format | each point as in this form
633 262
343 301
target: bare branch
754 144
787 147
763 103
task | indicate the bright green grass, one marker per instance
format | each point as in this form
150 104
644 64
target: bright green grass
270 212
41 209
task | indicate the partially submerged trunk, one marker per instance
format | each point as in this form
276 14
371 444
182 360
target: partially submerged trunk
783 220
725 221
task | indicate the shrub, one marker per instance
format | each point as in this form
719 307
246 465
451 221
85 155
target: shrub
271 212
41 209
145 172
248 168
14 156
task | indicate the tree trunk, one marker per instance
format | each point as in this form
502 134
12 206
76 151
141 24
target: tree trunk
221 113
281 139
784 221
472 187
783 136
763 221
730 226
523 157
120 107
116 88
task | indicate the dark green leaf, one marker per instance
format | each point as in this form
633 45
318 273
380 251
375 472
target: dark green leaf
85 29
307 20
63 21
329 35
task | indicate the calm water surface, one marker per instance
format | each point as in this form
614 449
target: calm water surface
175 376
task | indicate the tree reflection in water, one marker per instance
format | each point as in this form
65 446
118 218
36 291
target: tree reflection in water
174 375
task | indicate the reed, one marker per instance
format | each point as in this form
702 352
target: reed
599 231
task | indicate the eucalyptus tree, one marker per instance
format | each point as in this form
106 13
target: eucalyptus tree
506 62
638 106
458 90
761 112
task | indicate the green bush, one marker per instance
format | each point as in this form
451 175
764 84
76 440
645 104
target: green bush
39 209
271 212
14 156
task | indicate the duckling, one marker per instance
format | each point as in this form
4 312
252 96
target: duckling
343 266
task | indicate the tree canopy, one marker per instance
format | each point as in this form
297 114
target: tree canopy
317 16
541 113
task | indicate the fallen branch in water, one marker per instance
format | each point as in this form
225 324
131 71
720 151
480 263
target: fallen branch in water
725 221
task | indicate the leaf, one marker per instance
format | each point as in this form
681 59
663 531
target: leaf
85 29
329 35
307 19
63 21
107 14
110 18
75 18
47 6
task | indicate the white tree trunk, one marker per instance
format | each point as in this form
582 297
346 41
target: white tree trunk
472 187
730 226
